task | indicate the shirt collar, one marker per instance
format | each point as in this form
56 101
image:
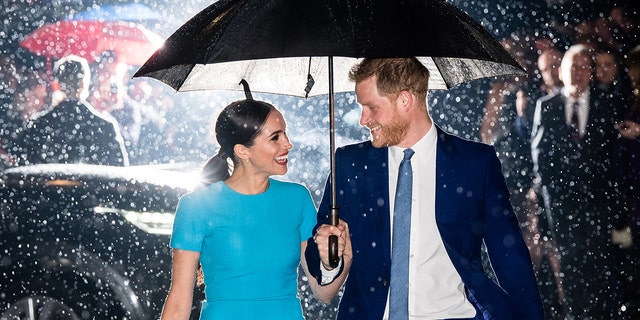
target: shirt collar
422 147
583 100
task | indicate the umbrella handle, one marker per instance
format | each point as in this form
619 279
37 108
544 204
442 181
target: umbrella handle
334 259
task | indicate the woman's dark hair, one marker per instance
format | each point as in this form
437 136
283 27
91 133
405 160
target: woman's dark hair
238 123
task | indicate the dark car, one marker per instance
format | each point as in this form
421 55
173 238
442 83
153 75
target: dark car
85 241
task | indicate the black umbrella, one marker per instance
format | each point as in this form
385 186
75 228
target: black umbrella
452 45
285 46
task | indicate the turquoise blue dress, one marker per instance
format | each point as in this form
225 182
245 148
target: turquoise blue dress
249 248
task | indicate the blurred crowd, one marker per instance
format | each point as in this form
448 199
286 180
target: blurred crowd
568 136
142 112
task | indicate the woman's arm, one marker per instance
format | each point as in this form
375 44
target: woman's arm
183 277
326 292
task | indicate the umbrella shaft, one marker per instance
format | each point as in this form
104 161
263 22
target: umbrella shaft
332 137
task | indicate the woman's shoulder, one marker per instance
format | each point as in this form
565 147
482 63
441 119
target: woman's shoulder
205 192
288 186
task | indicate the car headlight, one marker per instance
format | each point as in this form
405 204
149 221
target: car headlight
150 222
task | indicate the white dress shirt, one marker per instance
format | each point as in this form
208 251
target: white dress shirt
583 110
436 290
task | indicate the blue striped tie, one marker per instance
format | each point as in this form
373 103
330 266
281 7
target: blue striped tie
399 287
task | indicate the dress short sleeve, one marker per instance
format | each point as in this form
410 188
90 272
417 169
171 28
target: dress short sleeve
188 233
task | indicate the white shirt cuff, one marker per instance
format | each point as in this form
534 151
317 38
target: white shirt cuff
329 275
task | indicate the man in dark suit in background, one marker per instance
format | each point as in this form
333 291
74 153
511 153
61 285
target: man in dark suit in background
72 131
571 150
458 202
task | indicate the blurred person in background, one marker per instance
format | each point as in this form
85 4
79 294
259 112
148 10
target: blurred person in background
549 66
24 93
548 270
507 126
153 105
110 96
32 96
615 30
72 131
8 78
612 83
607 72
107 90
8 84
627 165
572 162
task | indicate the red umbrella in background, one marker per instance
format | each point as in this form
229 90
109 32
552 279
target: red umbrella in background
133 43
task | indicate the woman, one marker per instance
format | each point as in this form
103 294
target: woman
246 230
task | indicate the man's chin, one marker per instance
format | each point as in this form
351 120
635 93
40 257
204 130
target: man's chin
377 143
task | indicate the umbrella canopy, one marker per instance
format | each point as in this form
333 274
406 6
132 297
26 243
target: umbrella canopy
132 42
248 39
133 12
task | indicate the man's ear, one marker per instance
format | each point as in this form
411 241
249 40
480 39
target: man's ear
405 98
241 151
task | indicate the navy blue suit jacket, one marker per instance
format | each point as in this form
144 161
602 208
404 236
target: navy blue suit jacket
472 207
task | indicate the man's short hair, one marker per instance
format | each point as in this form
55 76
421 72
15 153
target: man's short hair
72 73
394 75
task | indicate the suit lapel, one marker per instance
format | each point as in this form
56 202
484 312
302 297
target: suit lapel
378 191
446 163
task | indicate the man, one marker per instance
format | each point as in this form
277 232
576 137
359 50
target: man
506 126
627 167
111 99
72 131
8 123
612 85
549 66
459 201
571 151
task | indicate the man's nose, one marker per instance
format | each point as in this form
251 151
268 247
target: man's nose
364 117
